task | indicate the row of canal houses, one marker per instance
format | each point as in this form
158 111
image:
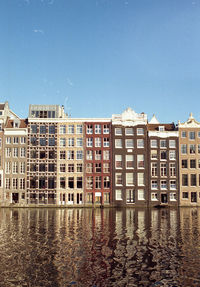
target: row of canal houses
52 159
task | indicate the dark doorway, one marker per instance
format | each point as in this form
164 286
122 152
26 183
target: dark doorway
15 197
163 198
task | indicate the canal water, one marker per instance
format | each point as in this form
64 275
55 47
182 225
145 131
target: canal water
99 247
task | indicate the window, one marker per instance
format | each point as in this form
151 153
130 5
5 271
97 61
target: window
172 169
185 195
106 182
154 154
192 135
154 184
79 129
193 179
22 140
129 143
129 131
193 197
34 129
140 131
192 148
97 154
129 161
154 196
118 178
70 142
97 167
51 141
8 140
198 148
62 154
154 143
118 143
15 152
52 130
97 142
141 194
22 183
163 169
71 129
97 129
79 142
184 149
89 142
62 182
15 140
33 167
183 134
118 194
163 184
140 179
98 182
42 141
193 163
89 155
106 167
154 169
8 167
62 129
184 163
33 154
89 197
42 167
70 182
70 167
106 142
51 167
14 183
89 182
22 167
163 143
79 167
163 155
106 155
129 179
70 154
62 142
8 183
140 143
62 167
89 168
79 182
130 196
8 152
106 129
118 161
172 143
140 161
172 196
172 184
118 131
184 180
42 129
172 155
89 129
198 163
33 141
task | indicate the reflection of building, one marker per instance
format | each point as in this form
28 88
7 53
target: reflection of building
163 163
97 161
130 166
189 162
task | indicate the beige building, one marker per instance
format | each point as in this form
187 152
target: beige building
15 148
189 162
70 162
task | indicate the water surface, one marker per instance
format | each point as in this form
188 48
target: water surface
99 247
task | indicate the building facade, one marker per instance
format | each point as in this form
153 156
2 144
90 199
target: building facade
189 162
97 163
130 160
163 163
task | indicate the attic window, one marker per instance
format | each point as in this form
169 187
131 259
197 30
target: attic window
161 128
1 113
16 125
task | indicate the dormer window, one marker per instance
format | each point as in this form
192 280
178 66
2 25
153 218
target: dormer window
161 128
1 113
16 124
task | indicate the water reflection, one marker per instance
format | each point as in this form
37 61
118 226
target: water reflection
100 247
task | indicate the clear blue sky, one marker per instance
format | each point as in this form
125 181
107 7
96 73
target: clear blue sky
98 57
